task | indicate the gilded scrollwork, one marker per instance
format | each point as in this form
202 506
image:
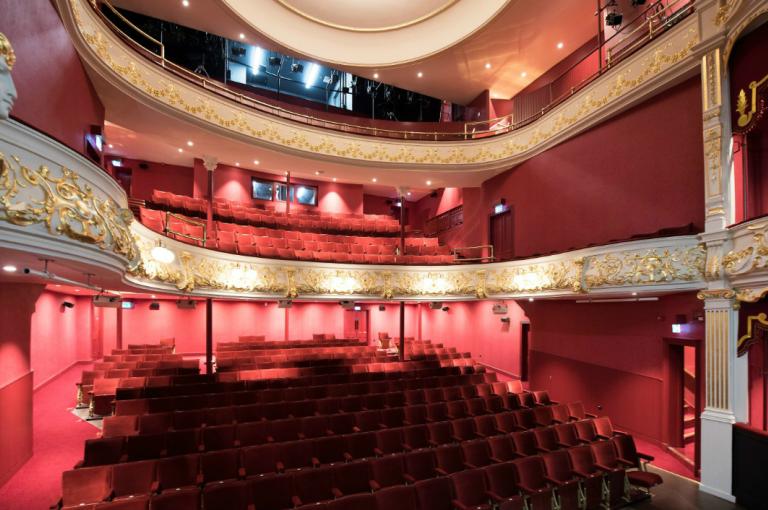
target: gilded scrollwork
752 257
38 196
646 267
553 276
244 121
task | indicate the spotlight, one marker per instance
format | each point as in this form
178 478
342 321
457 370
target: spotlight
487 65
185 3
242 36
297 68
68 304
374 179
190 143
530 300
9 268
382 308
255 161
419 74
275 61
375 76
613 19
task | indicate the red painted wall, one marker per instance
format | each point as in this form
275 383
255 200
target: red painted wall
374 204
60 336
55 94
610 354
626 168
472 327
173 178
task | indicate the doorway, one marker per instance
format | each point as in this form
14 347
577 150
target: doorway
124 176
525 331
685 399
501 236
356 324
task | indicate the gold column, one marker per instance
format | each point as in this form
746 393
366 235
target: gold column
717 174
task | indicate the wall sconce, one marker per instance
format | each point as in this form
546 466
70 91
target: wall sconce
67 304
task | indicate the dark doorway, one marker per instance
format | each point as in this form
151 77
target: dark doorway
685 399
525 330
502 235
124 177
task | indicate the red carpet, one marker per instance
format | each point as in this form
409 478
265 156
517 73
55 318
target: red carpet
58 445
664 460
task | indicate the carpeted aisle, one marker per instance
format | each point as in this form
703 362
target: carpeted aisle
58 445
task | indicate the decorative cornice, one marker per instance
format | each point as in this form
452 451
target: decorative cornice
158 85
716 294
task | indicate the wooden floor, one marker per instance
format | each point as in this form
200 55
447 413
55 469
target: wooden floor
679 493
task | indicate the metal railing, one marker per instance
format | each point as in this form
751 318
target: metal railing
481 258
168 230
471 130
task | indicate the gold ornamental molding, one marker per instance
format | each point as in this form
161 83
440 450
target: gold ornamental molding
716 294
158 84
748 109
725 11
750 252
735 33
58 200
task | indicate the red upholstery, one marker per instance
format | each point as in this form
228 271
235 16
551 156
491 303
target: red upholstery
86 485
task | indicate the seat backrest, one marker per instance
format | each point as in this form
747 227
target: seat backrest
272 492
582 459
178 471
531 472
558 465
449 458
86 485
502 479
470 487
546 438
435 494
525 442
585 430
229 495
566 434
502 448
605 454
130 478
476 452
312 485
388 471
401 497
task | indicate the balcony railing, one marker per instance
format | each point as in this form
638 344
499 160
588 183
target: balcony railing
653 21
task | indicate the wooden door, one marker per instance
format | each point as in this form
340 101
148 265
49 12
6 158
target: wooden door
502 239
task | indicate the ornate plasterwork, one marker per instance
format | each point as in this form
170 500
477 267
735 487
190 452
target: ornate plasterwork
195 269
156 83
749 253
58 200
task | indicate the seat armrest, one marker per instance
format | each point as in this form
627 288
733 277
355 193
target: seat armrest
378 452
155 487
563 445
241 472
236 443
458 504
553 481
336 492
279 466
496 460
603 467
433 443
315 462
469 465
355 428
407 447
199 479
645 457
270 439
329 432
581 474
526 489
374 485
625 462
296 501
348 456
455 438
301 435
441 471
541 449
383 426
601 436
408 478
407 422
590 415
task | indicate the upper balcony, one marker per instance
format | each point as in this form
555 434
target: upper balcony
610 79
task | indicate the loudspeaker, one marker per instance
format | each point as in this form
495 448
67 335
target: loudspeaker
186 304
107 301
500 309
613 19
284 303
154 305
436 305
382 308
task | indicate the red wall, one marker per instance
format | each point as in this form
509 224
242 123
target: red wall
55 94
60 336
374 204
173 178
611 356
625 168
473 327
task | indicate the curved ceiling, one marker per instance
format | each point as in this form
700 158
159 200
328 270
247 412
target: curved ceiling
460 49
366 34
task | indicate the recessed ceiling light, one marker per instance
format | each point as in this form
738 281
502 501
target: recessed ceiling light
375 76
285 173
409 193
334 179
111 146
185 3
317 172
429 183
190 143
487 65
237 163
374 179
419 74
560 46
242 36
77 290
9 268
530 299
523 74
57 285
154 297
180 149
634 293
255 161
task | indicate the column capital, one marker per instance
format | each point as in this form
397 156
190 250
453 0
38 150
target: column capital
210 162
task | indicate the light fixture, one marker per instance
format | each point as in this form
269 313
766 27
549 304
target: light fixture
334 179
634 293
375 76
374 179
237 163
242 36
285 173
162 254
560 46
153 296
409 193
419 74
180 149
68 304
680 319
9 268
110 146
190 143
429 183
117 162
154 306
311 76
185 3
487 65
255 161
317 172
523 74
530 300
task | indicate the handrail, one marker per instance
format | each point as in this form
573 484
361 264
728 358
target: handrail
184 219
497 126
489 258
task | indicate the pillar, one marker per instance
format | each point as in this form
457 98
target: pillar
210 163
17 304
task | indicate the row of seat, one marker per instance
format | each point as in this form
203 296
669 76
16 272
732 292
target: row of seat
237 360
247 240
164 346
320 340
394 393
387 432
578 476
